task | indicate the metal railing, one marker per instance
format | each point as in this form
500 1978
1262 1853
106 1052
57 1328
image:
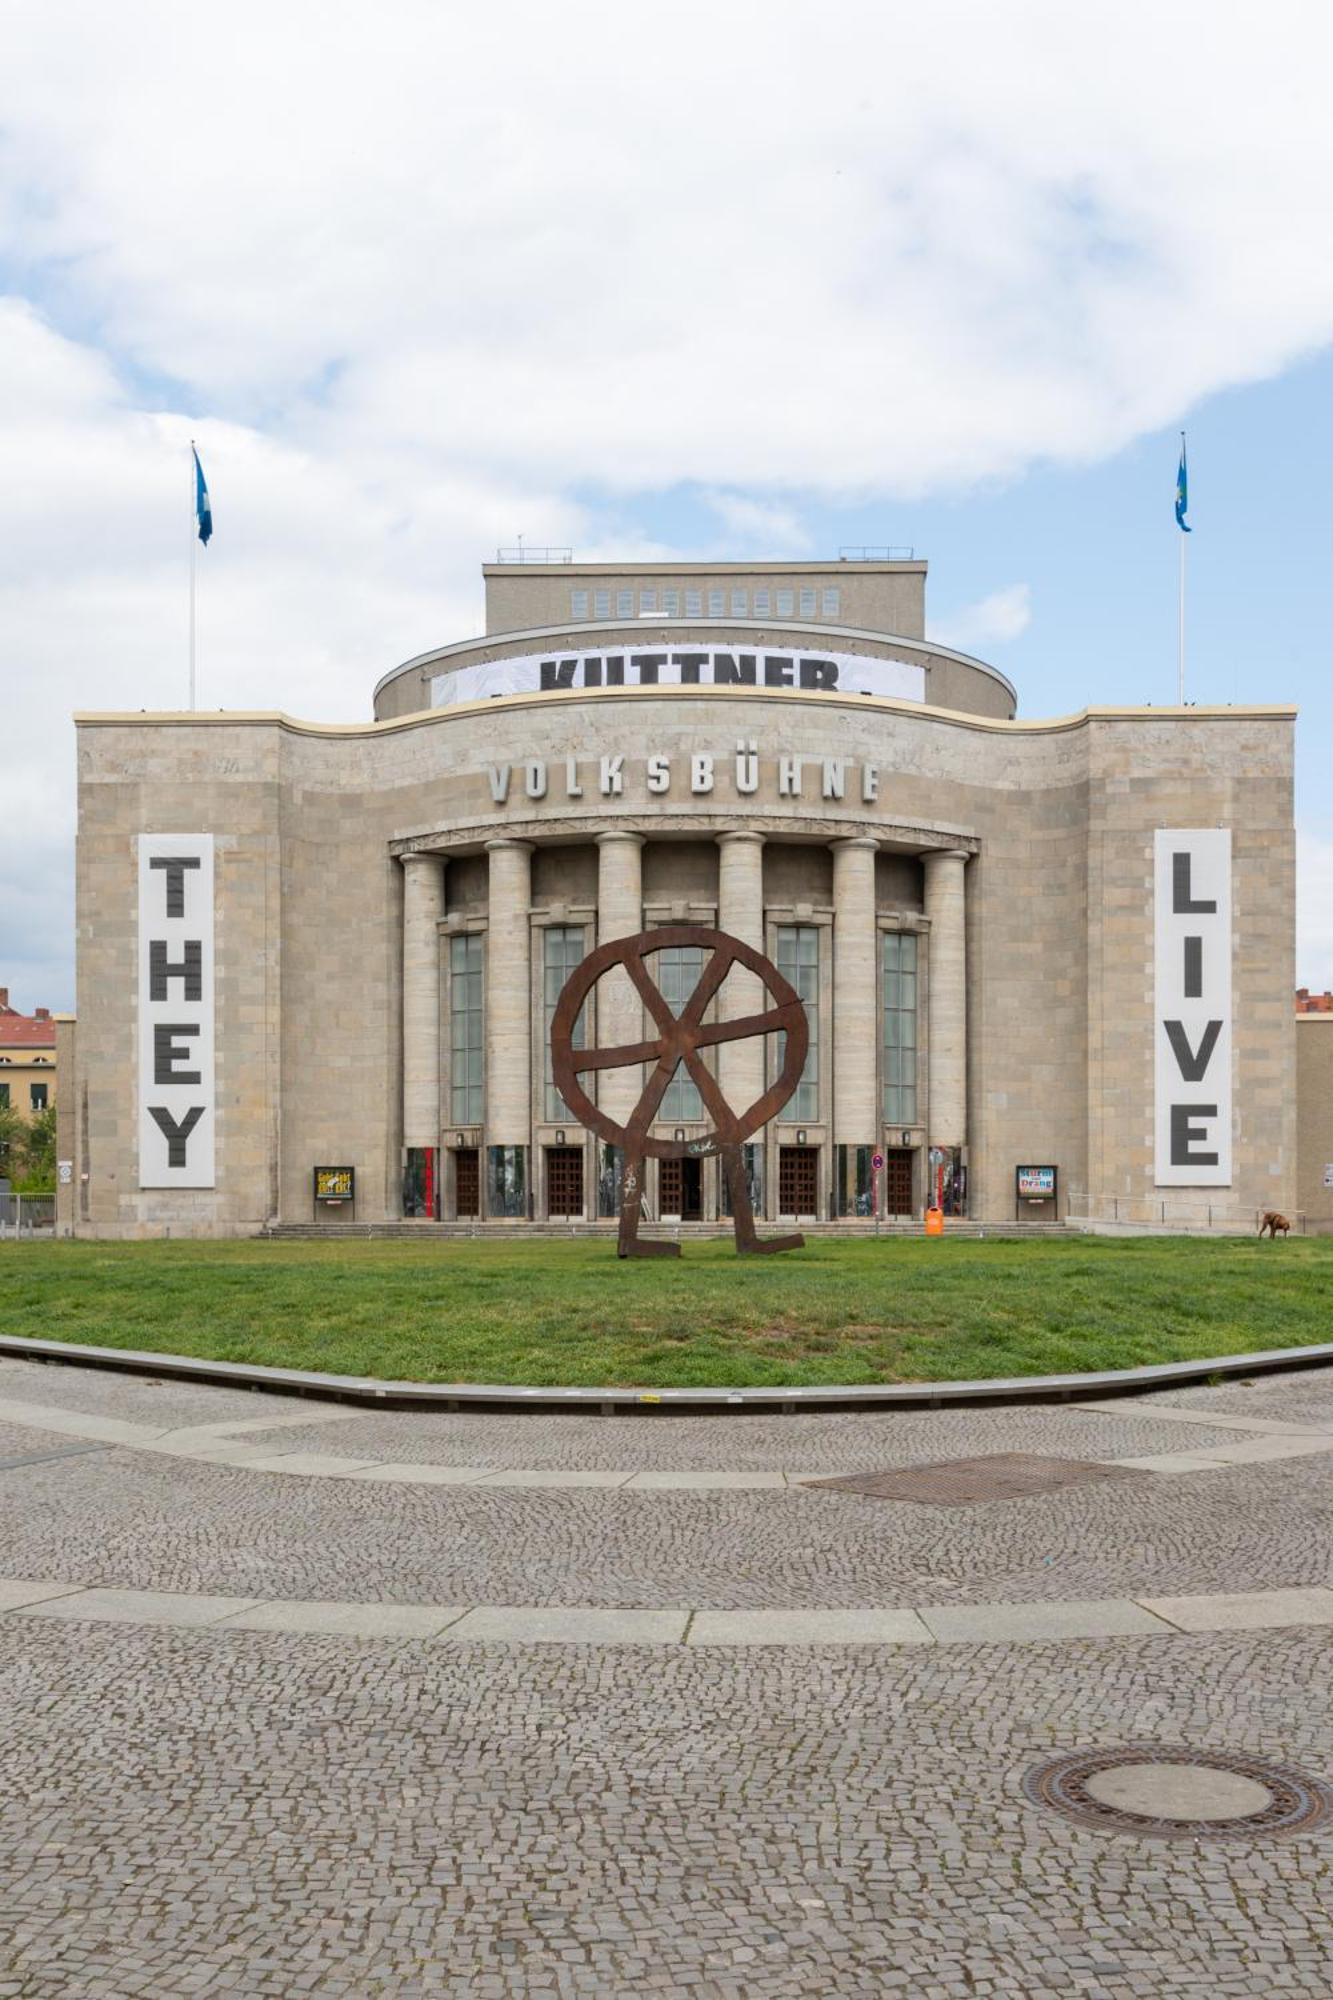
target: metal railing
523 554
850 552
1164 1212
27 1214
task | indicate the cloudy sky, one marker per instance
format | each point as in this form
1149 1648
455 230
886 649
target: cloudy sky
682 279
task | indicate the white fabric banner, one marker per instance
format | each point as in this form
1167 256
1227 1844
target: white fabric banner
682 666
176 1027
1192 1028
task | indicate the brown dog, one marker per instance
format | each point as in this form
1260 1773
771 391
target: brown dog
1273 1221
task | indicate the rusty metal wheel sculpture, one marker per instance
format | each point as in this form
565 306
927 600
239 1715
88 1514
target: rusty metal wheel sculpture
679 1039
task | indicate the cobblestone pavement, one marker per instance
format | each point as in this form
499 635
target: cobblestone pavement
231 1812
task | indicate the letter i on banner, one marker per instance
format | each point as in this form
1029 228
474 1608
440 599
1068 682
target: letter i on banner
176 1027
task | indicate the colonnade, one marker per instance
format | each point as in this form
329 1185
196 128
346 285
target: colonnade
852 1113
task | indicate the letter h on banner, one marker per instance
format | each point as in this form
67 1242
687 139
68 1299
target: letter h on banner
176 1011
1192 1028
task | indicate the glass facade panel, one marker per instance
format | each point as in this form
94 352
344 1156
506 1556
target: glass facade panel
678 971
900 966
507 1181
798 962
563 951
467 1028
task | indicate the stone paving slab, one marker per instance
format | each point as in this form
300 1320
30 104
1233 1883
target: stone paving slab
576 1625
358 1621
138 1607
15 1591
1245 1611
989 1624
809 1628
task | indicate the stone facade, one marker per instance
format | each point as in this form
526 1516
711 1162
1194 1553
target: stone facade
1015 856
1314 1120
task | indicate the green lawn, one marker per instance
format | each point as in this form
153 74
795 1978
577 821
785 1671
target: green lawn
550 1312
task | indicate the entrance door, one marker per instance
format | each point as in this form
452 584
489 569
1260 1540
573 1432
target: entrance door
680 1190
467 1182
564 1180
798 1180
898 1181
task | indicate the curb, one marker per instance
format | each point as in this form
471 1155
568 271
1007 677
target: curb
641 1402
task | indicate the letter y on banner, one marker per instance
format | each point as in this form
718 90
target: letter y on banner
1192 1028
176 1061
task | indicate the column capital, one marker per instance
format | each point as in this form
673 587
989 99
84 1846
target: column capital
861 840
421 854
509 846
619 833
740 834
945 854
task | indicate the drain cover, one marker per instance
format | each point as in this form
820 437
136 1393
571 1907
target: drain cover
1165 1793
968 1482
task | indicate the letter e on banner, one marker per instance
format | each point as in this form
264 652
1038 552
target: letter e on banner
177 1094
1192 1025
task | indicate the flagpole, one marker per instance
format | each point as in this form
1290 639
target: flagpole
1180 659
194 540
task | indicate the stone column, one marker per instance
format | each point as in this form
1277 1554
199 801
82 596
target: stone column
947 1066
423 908
740 910
508 994
619 1009
856 1106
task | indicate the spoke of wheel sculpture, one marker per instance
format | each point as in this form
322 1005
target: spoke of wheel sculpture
680 1038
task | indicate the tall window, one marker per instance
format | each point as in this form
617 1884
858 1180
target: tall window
694 603
671 603
739 601
563 950
831 601
785 603
798 962
679 971
601 603
624 604
807 604
38 1092
579 603
647 604
717 603
899 1028
467 1027
761 603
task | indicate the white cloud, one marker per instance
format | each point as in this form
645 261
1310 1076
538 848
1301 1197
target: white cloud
991 621
417 277
1314 911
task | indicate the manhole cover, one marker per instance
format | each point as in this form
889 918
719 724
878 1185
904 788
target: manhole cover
967 1482
1169 1794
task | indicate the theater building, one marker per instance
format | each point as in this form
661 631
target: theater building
1047 964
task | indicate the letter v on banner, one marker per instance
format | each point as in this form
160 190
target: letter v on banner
177 1094
1192 1025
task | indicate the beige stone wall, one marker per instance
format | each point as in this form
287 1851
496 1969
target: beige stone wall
880 597
1314 1120
1058 820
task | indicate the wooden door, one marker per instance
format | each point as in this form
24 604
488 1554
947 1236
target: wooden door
467 1182
798 1180
898 1181
564 1180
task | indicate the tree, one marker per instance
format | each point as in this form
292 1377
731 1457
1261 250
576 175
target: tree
35 1146
13 1132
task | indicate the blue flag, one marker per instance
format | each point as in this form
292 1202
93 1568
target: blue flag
203 506
1182 491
